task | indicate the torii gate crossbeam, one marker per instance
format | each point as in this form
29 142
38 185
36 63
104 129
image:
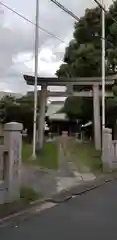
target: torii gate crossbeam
94 82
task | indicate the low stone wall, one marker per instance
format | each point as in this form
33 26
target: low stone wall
10 163
109 151
114 154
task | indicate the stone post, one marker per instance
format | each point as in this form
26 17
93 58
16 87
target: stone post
69 89
64 169
41 124
13 145
107 151
64 139
96 113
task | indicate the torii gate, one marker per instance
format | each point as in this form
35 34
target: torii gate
92 88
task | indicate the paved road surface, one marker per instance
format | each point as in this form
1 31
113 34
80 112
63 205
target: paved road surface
90 216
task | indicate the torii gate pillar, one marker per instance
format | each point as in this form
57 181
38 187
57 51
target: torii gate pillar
96 113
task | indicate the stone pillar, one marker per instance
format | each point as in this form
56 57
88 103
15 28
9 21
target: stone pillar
96 113
107 151
69 89
13 145
41 123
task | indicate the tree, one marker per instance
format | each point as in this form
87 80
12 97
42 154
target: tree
5 102
19 110
83 55
72 107
83 59
76 108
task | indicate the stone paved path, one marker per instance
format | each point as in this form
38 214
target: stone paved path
69 175
40 180
49 182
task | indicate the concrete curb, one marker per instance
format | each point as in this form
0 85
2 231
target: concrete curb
60 197
80 189
21 215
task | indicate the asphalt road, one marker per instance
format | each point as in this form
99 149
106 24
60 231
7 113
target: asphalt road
90 216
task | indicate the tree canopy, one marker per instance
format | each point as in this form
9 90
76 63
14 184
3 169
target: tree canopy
19 110
82 58
75 108
83 55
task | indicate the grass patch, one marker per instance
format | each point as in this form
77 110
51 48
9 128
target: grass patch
84 154
47 158
27 195
26 152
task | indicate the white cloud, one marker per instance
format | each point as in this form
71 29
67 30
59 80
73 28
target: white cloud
47 63
47 56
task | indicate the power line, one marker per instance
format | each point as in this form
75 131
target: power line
75 17
106 12
103 8
100 5
28 20
65 9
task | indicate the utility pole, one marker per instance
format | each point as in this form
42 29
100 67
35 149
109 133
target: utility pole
103 66
36 76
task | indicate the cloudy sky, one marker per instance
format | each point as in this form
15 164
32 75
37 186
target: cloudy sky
17 39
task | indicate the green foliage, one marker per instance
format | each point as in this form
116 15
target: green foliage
19 110
47 158
84 156
83 59
5 103
83 55
72 107
28 194
65 70
79 108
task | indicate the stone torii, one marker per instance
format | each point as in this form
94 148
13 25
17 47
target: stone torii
92 88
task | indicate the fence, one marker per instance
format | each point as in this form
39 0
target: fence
109 154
